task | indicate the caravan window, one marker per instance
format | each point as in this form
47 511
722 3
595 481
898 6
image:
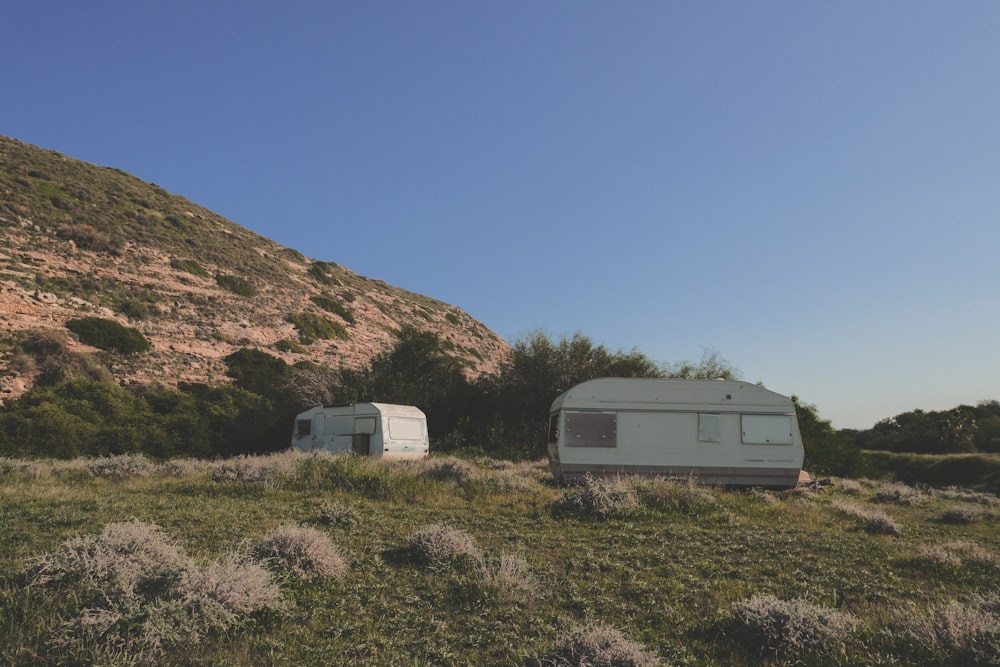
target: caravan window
364 425
767 429
591 429
709 427
401 428
554 427
304 426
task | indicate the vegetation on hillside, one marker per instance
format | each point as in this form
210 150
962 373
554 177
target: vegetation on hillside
312 559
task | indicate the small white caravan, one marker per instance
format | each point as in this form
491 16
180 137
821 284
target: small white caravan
717 431
369 429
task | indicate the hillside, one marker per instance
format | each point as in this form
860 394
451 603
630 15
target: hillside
81 240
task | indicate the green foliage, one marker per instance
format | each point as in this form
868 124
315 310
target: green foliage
94 418
286 345
133 309
711 366
334 306
981 471
828 451
189 266
108 335
47 353
961 429
321 272
313 327
236 284
257 371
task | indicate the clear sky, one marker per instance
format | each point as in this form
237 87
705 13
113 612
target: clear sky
811 189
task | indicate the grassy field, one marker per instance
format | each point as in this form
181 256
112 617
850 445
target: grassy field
302 560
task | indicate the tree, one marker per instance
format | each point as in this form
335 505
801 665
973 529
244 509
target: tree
711 366
828 451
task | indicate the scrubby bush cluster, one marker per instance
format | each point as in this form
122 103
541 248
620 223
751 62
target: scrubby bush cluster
134 595
236 285
600 497
442 545
871 520
770 626
86 417
108 335
313 327
597 645
955 632
303 551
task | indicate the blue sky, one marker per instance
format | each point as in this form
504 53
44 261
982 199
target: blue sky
811 189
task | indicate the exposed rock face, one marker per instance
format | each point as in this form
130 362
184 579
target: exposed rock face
80 240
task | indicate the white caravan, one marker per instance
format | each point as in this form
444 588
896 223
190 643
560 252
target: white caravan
717 431
368 429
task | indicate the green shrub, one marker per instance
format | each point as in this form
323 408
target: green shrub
286 345
108 335
257 371
320 271
132 309
313 327
235 284
331 305
189 266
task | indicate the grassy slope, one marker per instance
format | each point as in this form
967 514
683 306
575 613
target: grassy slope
665 575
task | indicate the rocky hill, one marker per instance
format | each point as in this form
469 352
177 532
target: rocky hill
81 240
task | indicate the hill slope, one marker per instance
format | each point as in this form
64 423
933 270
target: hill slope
80 240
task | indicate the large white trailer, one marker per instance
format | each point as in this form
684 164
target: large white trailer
717 431
369 429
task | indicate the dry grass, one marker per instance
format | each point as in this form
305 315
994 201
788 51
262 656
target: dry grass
871 520
300 550
955 632
509 577
786 627
440 544
597 646
600 497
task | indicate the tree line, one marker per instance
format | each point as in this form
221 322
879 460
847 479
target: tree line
76 409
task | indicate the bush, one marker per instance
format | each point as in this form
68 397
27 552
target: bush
598 646
303 551
955 633
331 305
603 498
122 560
509 577
786 627
108 335
313 327
132 595
439 544
189 266
337 515
235 284
872 521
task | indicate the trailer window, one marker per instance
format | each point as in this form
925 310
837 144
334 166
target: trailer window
554 427
401 428
303 426
709 427
591 429
364 425
767 429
